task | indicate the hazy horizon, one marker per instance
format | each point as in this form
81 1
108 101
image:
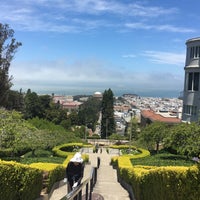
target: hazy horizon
117 92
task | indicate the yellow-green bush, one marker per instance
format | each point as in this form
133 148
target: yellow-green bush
54 173
67 149
22 182
124 146
125 160
159 183
19 182
54 176
163 183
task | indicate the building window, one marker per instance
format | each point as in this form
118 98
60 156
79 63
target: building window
190 81
195 52
196 81
190 110
192 52
193 81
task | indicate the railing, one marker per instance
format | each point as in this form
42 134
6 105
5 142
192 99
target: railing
88 184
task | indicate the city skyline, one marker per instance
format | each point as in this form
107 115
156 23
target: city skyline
89 45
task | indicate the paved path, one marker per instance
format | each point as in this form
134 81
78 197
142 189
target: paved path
107 184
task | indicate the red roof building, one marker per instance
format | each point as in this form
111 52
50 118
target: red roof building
71 106
149 116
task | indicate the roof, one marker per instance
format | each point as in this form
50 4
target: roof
157 117
74 103
193 40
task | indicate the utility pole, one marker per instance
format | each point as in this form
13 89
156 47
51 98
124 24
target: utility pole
85 133
130 137
106 127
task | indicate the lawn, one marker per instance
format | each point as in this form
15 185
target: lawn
54 159
163 159
40 156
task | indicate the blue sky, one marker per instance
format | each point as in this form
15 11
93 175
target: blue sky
83 46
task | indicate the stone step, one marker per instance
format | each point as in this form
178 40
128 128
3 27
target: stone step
114 197
106 185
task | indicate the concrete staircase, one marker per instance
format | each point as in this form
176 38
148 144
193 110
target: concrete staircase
107 184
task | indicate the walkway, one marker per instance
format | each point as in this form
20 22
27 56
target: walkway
107 184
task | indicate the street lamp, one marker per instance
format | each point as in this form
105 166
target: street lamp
130 137
106 128
85 132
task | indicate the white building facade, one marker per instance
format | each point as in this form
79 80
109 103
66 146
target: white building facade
191 93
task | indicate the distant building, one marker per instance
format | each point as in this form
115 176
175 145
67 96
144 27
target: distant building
71 106
98 95
149 116
122 108
191 93
67 102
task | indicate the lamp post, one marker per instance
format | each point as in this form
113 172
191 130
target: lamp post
106 128
130 137
85 132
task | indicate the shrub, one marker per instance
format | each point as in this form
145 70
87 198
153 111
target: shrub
66 149
19 182
155 183
51 173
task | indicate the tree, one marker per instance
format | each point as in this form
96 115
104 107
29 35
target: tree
36 105
8 47
18 135
32 105
89 112
15 100
153 135
185 139
107 110
73 116
133 129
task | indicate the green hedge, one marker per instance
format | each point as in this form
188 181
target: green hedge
163 183
19 182
22 182
6 152
68 149
159 183
56 172
54 176
52 173
124 160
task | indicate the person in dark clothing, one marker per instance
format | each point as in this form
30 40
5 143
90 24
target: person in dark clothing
74 171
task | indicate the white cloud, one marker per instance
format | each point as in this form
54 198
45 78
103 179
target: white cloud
80 15
128 56
60 71
165 57
88 75
165 27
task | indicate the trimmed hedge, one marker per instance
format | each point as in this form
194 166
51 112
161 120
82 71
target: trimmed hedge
52 173
163 183
56 172
19 182
159 183
68 149
22 182
124 160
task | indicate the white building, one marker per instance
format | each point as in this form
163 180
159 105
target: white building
191 93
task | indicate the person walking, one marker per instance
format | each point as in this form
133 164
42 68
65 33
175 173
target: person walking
74 171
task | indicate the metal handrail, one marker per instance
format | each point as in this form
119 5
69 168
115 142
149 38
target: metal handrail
89 184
